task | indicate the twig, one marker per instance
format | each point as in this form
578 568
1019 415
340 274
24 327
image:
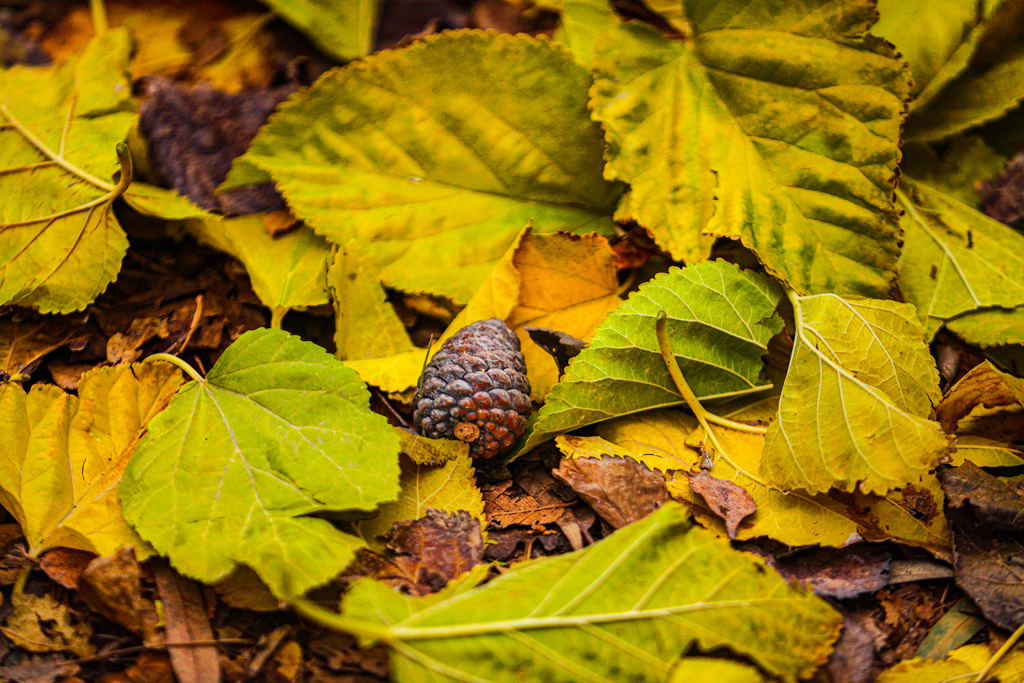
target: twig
1007 646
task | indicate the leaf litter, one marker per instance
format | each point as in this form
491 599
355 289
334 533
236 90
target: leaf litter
708 429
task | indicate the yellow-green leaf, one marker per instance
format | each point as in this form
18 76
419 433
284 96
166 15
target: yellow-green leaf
365 324
438 154
956 259
777 123
856 400
62 130
287 271
990 326
63 455
720 319
231 471
624 608
344 29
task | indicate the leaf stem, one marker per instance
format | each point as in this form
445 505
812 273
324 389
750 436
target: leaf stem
1006 647
665 346
99 16
338 622
174 360
277 317
734 425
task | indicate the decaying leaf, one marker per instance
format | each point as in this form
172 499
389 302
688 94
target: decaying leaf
720 319
838 572
277 430
510 143
573 619
987 518
1002 198
39 623
194 135
621 490
112 585
777 124
64 455
729 501
856 400
425 553
186 622
25 341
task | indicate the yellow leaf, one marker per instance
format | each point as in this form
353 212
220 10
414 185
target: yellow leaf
450 486
559 281
658 438
365 324
64 455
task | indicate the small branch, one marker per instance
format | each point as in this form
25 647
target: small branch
99 16
174 360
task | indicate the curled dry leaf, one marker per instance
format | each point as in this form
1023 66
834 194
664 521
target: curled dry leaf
728 500
985 402
621 490
113 586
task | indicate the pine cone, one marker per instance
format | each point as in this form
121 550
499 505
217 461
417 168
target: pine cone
475 390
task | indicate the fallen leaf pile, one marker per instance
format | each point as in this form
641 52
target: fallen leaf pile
763 259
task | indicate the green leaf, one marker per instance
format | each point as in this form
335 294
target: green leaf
691 669
777 123
937 39
384 150
956 258
854 407
344 29
966 160
287 271
990 326
62 455
971 100
624 608
581 22
229 472
720 319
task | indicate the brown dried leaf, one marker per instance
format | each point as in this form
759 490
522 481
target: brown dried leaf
337 658
25 341
562 347
1003 197
853 658
39 623
989 561
39 670
426 553
243 589
149 667
726 499
187 622
194 135
505 505
65 565
620 490
113 587
838 572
